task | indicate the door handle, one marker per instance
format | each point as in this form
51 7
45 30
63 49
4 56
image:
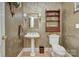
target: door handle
4 37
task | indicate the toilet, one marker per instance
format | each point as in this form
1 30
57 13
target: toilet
56 50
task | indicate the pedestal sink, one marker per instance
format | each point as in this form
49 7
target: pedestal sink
32 36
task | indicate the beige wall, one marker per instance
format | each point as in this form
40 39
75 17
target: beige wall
13 43
70 33
40 7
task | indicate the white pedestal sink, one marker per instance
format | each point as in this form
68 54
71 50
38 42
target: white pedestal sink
32 36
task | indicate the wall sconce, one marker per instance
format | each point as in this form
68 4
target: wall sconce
25 17
14 6
39 16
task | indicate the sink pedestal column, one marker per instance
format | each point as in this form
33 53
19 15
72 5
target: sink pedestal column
32 36
32 47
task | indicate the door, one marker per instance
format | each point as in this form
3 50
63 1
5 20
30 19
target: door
2 29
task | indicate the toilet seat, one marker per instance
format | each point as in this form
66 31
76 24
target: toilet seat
59 50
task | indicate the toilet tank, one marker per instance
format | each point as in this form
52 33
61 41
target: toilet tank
53 39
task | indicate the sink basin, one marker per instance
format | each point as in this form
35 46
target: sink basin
32 35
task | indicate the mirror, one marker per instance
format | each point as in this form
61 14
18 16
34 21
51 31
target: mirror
34 19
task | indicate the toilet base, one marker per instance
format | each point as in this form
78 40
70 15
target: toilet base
56 55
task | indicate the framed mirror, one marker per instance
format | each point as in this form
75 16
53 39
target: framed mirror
33 19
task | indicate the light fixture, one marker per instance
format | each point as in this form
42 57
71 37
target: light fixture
25 15
14 6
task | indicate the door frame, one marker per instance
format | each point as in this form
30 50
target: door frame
2 29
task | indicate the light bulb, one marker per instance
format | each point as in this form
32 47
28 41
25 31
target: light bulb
25 14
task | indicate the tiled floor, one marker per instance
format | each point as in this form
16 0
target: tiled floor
37 54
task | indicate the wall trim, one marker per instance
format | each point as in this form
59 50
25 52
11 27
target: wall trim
37 49
28 49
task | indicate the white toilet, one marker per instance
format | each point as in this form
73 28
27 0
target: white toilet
57 50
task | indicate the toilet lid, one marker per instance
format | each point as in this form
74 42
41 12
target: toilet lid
59 49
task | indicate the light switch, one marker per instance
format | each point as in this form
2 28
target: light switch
77 26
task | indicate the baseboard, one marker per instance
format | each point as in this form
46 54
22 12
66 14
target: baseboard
36 49
29 49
